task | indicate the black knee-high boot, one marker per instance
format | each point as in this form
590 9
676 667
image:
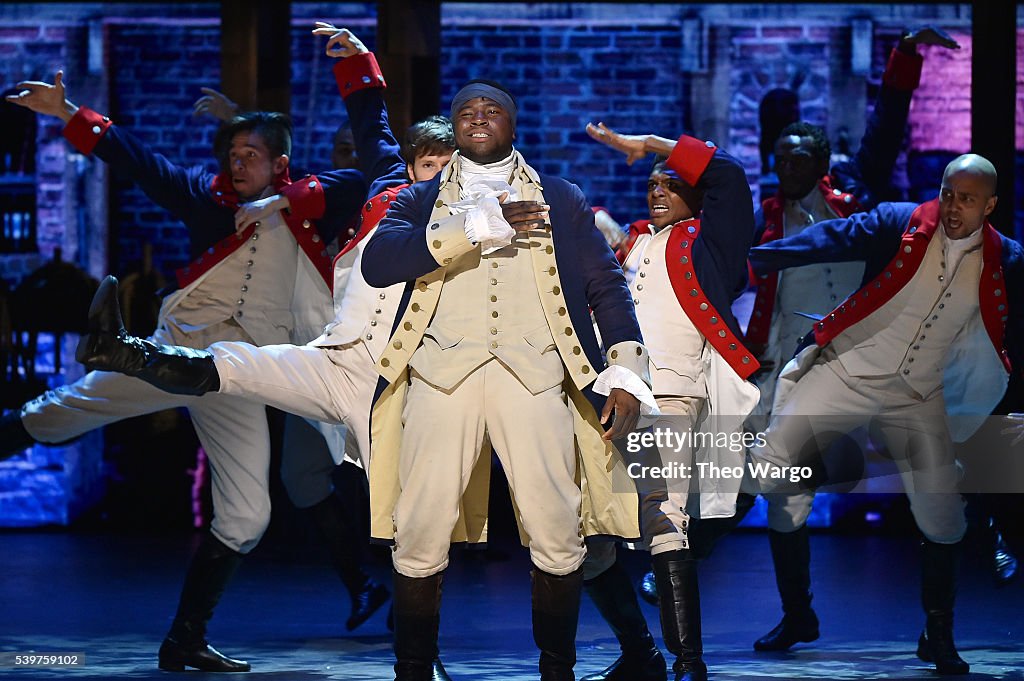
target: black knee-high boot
676 574
556 613
346 550
213 566
108 347
417 614
791 554
612 593
939 567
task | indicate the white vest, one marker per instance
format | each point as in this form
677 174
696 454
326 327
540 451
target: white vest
490 308
672 340
912 333
361 312
812 289
254 285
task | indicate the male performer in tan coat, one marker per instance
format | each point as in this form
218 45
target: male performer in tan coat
495 342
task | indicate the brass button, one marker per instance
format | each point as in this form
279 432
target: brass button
415 307
494 344
568 331
447 261
438 203
437 243
397 345
614 354
556 290
639 352
407 326
585 369
306 224
552 271
422 286
494 299
494 314
494 332
494 264
384 362
576 350
549 250
373 322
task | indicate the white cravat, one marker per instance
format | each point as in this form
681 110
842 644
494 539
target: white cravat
481 184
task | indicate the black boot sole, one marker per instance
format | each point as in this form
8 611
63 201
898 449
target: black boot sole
208 660
925 655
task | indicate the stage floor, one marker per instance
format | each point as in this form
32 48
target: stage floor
111 598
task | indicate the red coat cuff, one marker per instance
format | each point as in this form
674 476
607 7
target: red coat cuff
903 72
306 198
690 157
358 73
85 129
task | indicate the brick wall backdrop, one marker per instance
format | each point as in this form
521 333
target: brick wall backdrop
34 53
569 63
156 69
567 75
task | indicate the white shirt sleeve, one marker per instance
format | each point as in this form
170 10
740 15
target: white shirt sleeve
616 376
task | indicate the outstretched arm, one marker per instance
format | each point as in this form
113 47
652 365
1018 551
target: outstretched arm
869 175
635 147
165 183
361 85
851 239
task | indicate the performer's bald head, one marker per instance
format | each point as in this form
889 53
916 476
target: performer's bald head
968 195
975 165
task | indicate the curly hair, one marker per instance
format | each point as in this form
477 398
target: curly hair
819 140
